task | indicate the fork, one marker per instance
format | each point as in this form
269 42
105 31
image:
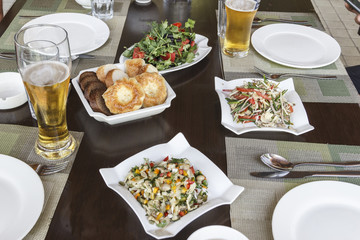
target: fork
43 170
12 56
260 20
275 76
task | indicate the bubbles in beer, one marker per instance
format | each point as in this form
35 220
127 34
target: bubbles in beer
243 5
46 73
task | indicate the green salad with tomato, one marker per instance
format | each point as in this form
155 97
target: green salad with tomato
166 45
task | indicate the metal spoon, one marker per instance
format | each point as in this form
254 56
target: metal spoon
280 163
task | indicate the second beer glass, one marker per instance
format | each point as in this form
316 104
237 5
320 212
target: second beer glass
240 15
44 62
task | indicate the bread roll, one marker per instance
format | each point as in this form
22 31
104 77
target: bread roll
148 68
124 96
154 87
113 76
133 66
103 70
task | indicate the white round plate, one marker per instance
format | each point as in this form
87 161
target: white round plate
295 46
22 198
217 232
12 90
86 33
321 210
84 3
143 1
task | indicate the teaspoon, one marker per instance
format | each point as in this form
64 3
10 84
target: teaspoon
280 163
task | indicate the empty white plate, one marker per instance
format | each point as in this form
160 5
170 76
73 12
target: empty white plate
321 210
86 33
22 198
217 232
295 46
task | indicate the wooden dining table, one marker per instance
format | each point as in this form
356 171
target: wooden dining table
88 209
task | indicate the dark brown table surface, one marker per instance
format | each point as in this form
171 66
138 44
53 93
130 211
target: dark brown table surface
87 208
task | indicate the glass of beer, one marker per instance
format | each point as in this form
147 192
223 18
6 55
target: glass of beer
239 17
44 62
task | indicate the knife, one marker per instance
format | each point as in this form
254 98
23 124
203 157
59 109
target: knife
303 174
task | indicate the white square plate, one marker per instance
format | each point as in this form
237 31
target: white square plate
123 117
298 117
221 191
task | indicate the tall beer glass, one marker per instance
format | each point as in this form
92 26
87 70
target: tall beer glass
44 62
240 15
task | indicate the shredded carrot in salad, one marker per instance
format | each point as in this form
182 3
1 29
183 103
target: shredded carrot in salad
260 102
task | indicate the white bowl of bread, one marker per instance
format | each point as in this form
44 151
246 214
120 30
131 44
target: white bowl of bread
117 93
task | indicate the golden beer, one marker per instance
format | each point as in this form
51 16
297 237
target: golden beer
47 84
240 15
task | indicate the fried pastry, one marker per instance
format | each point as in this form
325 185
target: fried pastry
133 66
154 87
124 96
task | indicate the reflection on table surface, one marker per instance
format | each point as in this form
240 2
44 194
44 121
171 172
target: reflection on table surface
87 208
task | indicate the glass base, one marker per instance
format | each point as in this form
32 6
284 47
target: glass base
57 154
234 53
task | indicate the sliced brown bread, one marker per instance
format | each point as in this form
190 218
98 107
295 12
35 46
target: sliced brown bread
92 86
97 102
87 80
85 74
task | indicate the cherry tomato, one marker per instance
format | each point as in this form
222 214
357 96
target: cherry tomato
178 24
169 55
138 53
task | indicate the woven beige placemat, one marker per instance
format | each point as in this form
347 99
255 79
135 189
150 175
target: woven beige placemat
340 90
251 212
19 141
